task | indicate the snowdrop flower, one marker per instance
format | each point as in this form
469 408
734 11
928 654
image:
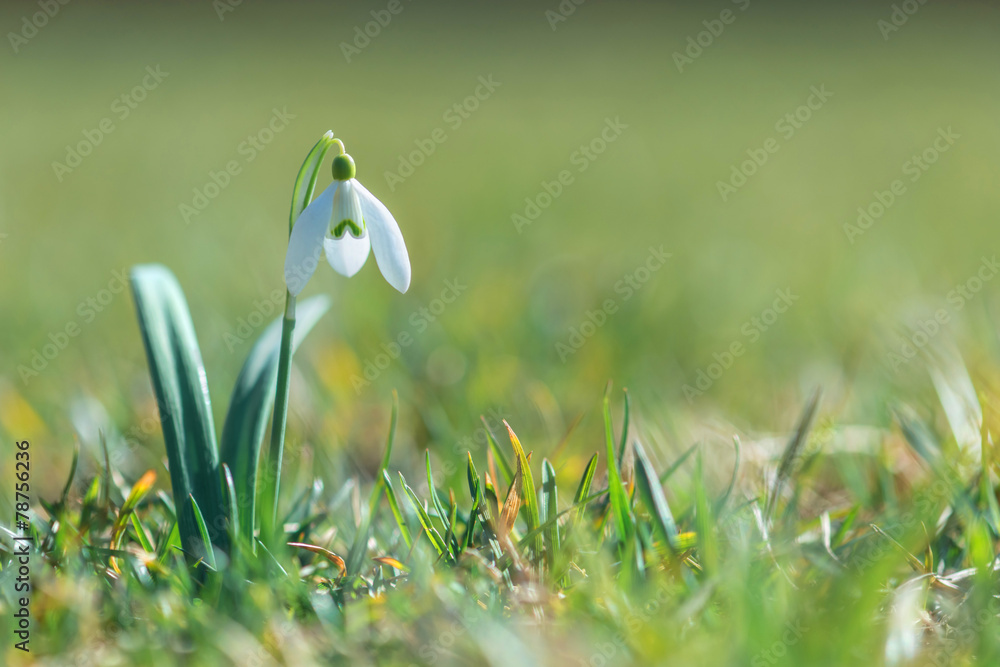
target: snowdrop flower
345 222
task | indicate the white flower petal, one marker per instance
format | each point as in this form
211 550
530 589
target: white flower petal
346 205
387 241
306 241
347 254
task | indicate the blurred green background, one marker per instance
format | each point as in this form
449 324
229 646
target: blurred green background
495 346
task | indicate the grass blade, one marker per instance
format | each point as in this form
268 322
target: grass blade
234 507
652 495
527 488
355 557
720 503
325 553
583 490
791 453
618 497
432 491
550 510
669 472
476 491
205 547
506 469
141 534
425 521
708 549
390 494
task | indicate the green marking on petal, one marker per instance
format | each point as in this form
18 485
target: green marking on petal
338 231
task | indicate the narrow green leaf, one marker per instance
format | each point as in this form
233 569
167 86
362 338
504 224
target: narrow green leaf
707 545
506 468
528 495
141 534
181 387
625 426
425 521
251 403
550 510
390 494
171 540
135 496
669 472
476 491
720 503
355 557
472 477
271 561
530 535
583 490
432 491
204 549
231 498
791 454
449 536
618 497
652 495
72 474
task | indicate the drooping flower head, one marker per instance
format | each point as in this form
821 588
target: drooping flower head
346 222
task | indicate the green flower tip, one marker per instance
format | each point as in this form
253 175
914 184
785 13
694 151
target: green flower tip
343 167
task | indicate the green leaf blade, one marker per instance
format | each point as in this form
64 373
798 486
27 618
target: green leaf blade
180 384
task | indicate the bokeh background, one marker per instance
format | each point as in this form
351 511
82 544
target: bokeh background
495 347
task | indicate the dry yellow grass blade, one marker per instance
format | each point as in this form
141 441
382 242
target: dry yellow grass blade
392 562
511 506
135 496
325 553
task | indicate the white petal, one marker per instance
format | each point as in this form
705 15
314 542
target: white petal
347 254
346 205
387 241
306 242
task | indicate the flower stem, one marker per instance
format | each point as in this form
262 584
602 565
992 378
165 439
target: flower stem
272 476
302 192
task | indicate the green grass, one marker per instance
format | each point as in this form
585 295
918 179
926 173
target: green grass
742 527
786 576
